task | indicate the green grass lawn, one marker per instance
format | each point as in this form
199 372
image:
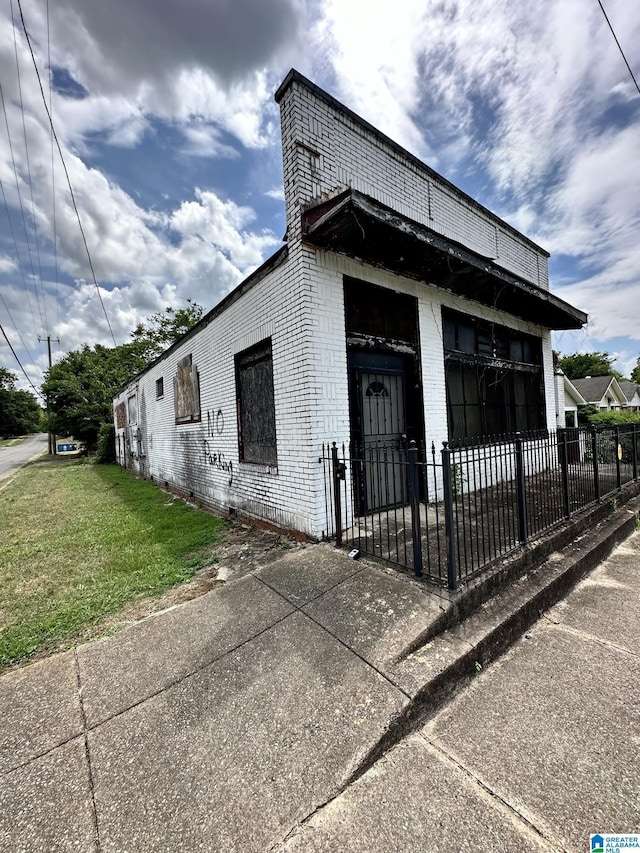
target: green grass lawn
9 442
78 541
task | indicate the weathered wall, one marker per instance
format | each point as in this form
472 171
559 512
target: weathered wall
329 343
202 458
327 149
300 306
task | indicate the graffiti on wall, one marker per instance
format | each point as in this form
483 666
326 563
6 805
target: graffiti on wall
216 458
215 423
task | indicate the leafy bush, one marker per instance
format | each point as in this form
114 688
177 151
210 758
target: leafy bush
106 454
585 413
614 418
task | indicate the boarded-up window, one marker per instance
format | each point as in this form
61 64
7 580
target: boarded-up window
133 410
186 392
256 405
121 416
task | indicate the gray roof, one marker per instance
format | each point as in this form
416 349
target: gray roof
629 388
593 388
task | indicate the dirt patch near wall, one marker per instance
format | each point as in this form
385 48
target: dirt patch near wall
242 550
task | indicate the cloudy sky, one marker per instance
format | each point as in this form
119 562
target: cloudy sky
165 116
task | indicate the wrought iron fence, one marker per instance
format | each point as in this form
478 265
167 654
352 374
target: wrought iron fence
446 514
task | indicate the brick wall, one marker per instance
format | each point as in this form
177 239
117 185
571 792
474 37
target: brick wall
327 149
299 304
202 459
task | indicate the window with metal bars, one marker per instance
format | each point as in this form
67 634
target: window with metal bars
494 379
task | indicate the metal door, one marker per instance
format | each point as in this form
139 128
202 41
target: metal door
382 418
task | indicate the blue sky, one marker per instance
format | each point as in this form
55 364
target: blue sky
170 135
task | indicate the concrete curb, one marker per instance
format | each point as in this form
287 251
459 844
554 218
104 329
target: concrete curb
493 581
456 651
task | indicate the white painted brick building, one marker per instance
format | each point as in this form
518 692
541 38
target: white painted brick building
397 306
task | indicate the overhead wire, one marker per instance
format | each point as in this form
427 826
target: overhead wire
66 172
53 184
15 243
39 299
15 325
15 354
20 204
606 17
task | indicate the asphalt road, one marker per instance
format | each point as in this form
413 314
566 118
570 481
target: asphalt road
12 458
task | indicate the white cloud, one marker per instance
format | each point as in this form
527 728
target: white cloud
276 193
223 225
203 140
373 53
529 106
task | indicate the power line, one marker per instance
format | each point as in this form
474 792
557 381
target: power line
619 46
28 162
24 280
24 219
20 363
24 346
53 181
64 166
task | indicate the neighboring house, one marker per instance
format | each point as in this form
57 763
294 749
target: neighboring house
398 307
568 399
632 393
604 392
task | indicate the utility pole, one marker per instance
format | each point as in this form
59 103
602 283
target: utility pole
52 438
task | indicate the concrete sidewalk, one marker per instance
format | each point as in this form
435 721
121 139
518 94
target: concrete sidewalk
538 753
253 718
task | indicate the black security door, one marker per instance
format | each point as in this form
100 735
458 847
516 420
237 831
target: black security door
385 391
379 418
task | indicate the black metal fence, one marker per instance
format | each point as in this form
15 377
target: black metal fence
446 514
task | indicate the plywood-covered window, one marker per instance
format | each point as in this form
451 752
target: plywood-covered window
256 405
186 392
121 416
494 379
132 409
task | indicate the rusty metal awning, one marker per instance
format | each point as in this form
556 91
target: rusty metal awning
358 226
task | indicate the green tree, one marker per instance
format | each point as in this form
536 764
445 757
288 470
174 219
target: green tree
162 329
635 373
581 364
20 413
82 385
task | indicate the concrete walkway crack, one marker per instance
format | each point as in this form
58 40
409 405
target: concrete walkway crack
38 755
342 642
85 733
585 635
279 845
189 674
498 799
